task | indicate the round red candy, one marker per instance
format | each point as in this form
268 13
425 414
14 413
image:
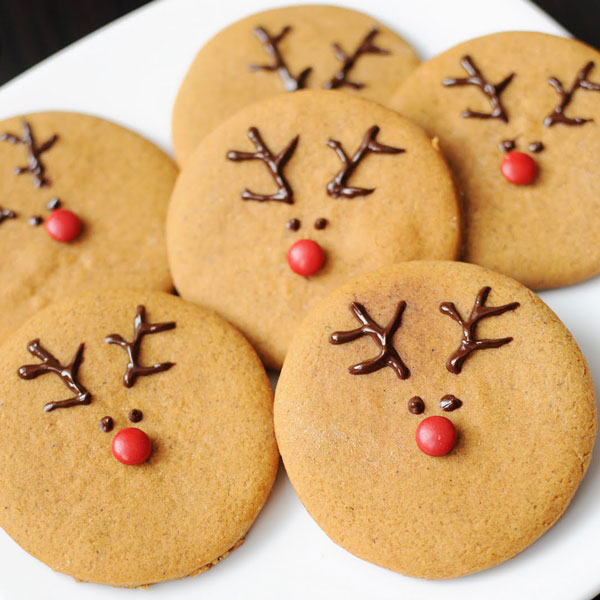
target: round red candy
305 257
518 168
436 436
63 225
131 446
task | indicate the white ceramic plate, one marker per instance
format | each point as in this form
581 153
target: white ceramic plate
129 72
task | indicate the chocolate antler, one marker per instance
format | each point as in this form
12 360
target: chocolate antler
140 329
581 81
388 356
275 165
67 374
35 165
469 342
271 44
492 91
5 213
366 46
338 187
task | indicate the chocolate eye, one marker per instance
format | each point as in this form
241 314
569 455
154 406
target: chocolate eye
321 223
449 403
106 424
507 145
293 224
53 203
535 147
135 416
416 406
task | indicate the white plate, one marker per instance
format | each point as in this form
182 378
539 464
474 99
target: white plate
129 72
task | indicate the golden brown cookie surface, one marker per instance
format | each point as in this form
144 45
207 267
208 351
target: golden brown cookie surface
234 218
117 185
296 45
201 396
545 233
509 379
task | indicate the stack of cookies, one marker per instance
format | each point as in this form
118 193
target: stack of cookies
327 187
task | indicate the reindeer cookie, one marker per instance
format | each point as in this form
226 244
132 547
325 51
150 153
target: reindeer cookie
137 437
82 206
291 196
284 50
434 418
518 116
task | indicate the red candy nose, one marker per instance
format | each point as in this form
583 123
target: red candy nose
63 225
436 436
518 168
131 446
305 257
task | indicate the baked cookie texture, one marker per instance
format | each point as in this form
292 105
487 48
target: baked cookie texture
65 497
524 412
370 60
547 233
116 182
228 235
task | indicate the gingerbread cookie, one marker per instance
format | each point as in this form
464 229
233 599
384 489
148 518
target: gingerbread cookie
434 418
277 207
137 437
284 50
518 116
82 206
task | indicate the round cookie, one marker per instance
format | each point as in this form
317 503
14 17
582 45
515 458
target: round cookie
286 49
430 424
77 169
205 404
341 178
538 117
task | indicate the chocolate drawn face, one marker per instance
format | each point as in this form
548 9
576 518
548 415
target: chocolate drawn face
435 436
520 147
131 445
306 257
519 168
61 225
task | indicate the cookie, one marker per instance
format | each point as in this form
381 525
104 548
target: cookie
434 418
518 117
278 206
82 206
137 437
286 49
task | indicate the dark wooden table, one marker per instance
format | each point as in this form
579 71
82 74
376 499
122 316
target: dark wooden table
31 30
